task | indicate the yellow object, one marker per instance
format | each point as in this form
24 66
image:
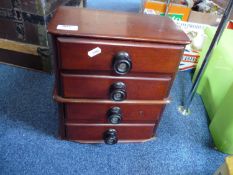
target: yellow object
18 46
176 11
226 168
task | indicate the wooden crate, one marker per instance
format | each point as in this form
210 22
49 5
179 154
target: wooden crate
23 26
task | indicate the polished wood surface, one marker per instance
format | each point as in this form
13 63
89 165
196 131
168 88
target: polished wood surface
146 57
131 113
98 87
154 46
101 101
95 132
119 141
117 25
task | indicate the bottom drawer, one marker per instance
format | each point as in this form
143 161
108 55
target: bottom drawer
110 134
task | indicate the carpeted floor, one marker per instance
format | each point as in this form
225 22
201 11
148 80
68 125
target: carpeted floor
29 123
29 144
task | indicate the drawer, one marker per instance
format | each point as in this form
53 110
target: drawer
115 113
145 57
99 133
115 88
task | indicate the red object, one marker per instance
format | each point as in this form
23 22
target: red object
77 86
90 87
230 25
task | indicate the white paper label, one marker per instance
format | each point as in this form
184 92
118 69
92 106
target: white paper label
67 27
149 11
94 52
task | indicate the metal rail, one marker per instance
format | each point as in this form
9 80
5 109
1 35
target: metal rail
184 108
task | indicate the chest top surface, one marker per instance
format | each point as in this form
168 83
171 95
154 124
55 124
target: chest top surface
115 25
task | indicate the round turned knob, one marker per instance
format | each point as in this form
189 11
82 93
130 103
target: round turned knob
118 91
114 115
122 63
110 137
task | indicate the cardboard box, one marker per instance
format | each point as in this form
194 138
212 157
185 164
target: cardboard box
210 18
204 18
176 11
223 4
191 54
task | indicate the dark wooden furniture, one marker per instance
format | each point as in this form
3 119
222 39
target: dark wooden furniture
114 72
23 31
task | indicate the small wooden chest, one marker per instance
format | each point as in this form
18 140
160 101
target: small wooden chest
114 72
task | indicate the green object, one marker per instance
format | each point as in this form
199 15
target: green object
216 89
221 127
218 75
173 16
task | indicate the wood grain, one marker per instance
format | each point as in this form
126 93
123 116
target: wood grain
155 46
146 57
19 47
117 25
119 141
95 132
22 60
98 113
101 101
98 87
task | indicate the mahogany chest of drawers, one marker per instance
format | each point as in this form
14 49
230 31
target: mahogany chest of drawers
114 72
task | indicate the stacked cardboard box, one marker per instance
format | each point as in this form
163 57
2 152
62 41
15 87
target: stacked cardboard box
192 22
176 11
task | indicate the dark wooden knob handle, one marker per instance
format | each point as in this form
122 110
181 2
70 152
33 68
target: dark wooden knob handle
118 91
114 115
110 137
122 63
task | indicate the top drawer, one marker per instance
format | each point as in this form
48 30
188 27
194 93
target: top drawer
81 54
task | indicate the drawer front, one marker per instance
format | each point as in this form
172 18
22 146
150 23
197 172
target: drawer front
98 132
113 113
74 55
104 87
